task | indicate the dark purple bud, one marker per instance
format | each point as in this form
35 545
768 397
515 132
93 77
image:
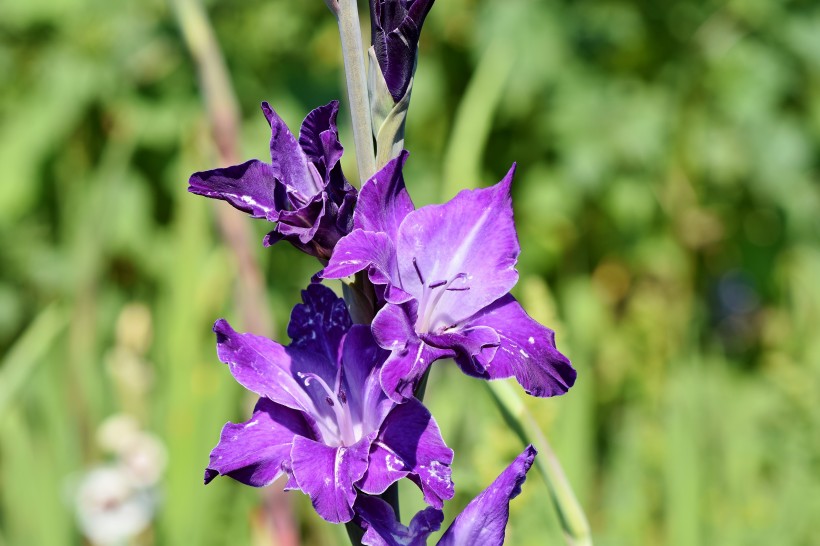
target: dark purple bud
395 29
302 189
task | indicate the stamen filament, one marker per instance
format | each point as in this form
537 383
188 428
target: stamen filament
426 309
344 424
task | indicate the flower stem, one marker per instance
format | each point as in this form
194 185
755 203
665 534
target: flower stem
519 418
347 15
354 533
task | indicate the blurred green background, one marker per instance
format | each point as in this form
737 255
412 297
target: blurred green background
668 206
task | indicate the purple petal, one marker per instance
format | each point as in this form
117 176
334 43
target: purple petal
410 357
382 529
361 359
410 444
372 251
526 350
384 201
360 250
319 324
469 242
260 365
347 208
393 326
477 343
258 451
403 370
327 475
484 520
249 187
300 225
315 228
319 137
288 162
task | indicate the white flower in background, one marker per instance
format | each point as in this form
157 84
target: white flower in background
110 509
117 501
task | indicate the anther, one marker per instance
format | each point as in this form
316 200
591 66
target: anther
329 401
305 378
418 271
342 397
437 284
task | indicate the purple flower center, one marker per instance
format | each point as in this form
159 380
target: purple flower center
338 425
431 295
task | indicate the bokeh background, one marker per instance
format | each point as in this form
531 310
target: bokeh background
668 206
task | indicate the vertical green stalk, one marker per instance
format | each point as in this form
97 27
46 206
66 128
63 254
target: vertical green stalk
347 14
521 421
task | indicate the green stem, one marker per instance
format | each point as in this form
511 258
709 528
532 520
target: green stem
354 533
421 388
521 421
391 496
350 31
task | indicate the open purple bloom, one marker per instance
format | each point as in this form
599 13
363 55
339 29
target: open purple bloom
445 272
323 418
395 30
302 189
483 521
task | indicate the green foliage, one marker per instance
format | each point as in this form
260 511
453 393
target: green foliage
668 203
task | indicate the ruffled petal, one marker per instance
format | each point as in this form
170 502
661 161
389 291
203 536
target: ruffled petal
320 322
474 346
382 528
526 350
249 187
393 327
410 356
288 162
299 226
327 475
484 520
402 371
410 444
469 244
360 250
257 451
318 136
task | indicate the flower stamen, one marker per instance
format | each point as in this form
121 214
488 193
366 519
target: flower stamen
344 423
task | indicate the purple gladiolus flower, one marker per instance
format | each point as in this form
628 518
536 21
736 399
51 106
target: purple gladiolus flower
483 521
323 418
445 272
395 30
302 189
